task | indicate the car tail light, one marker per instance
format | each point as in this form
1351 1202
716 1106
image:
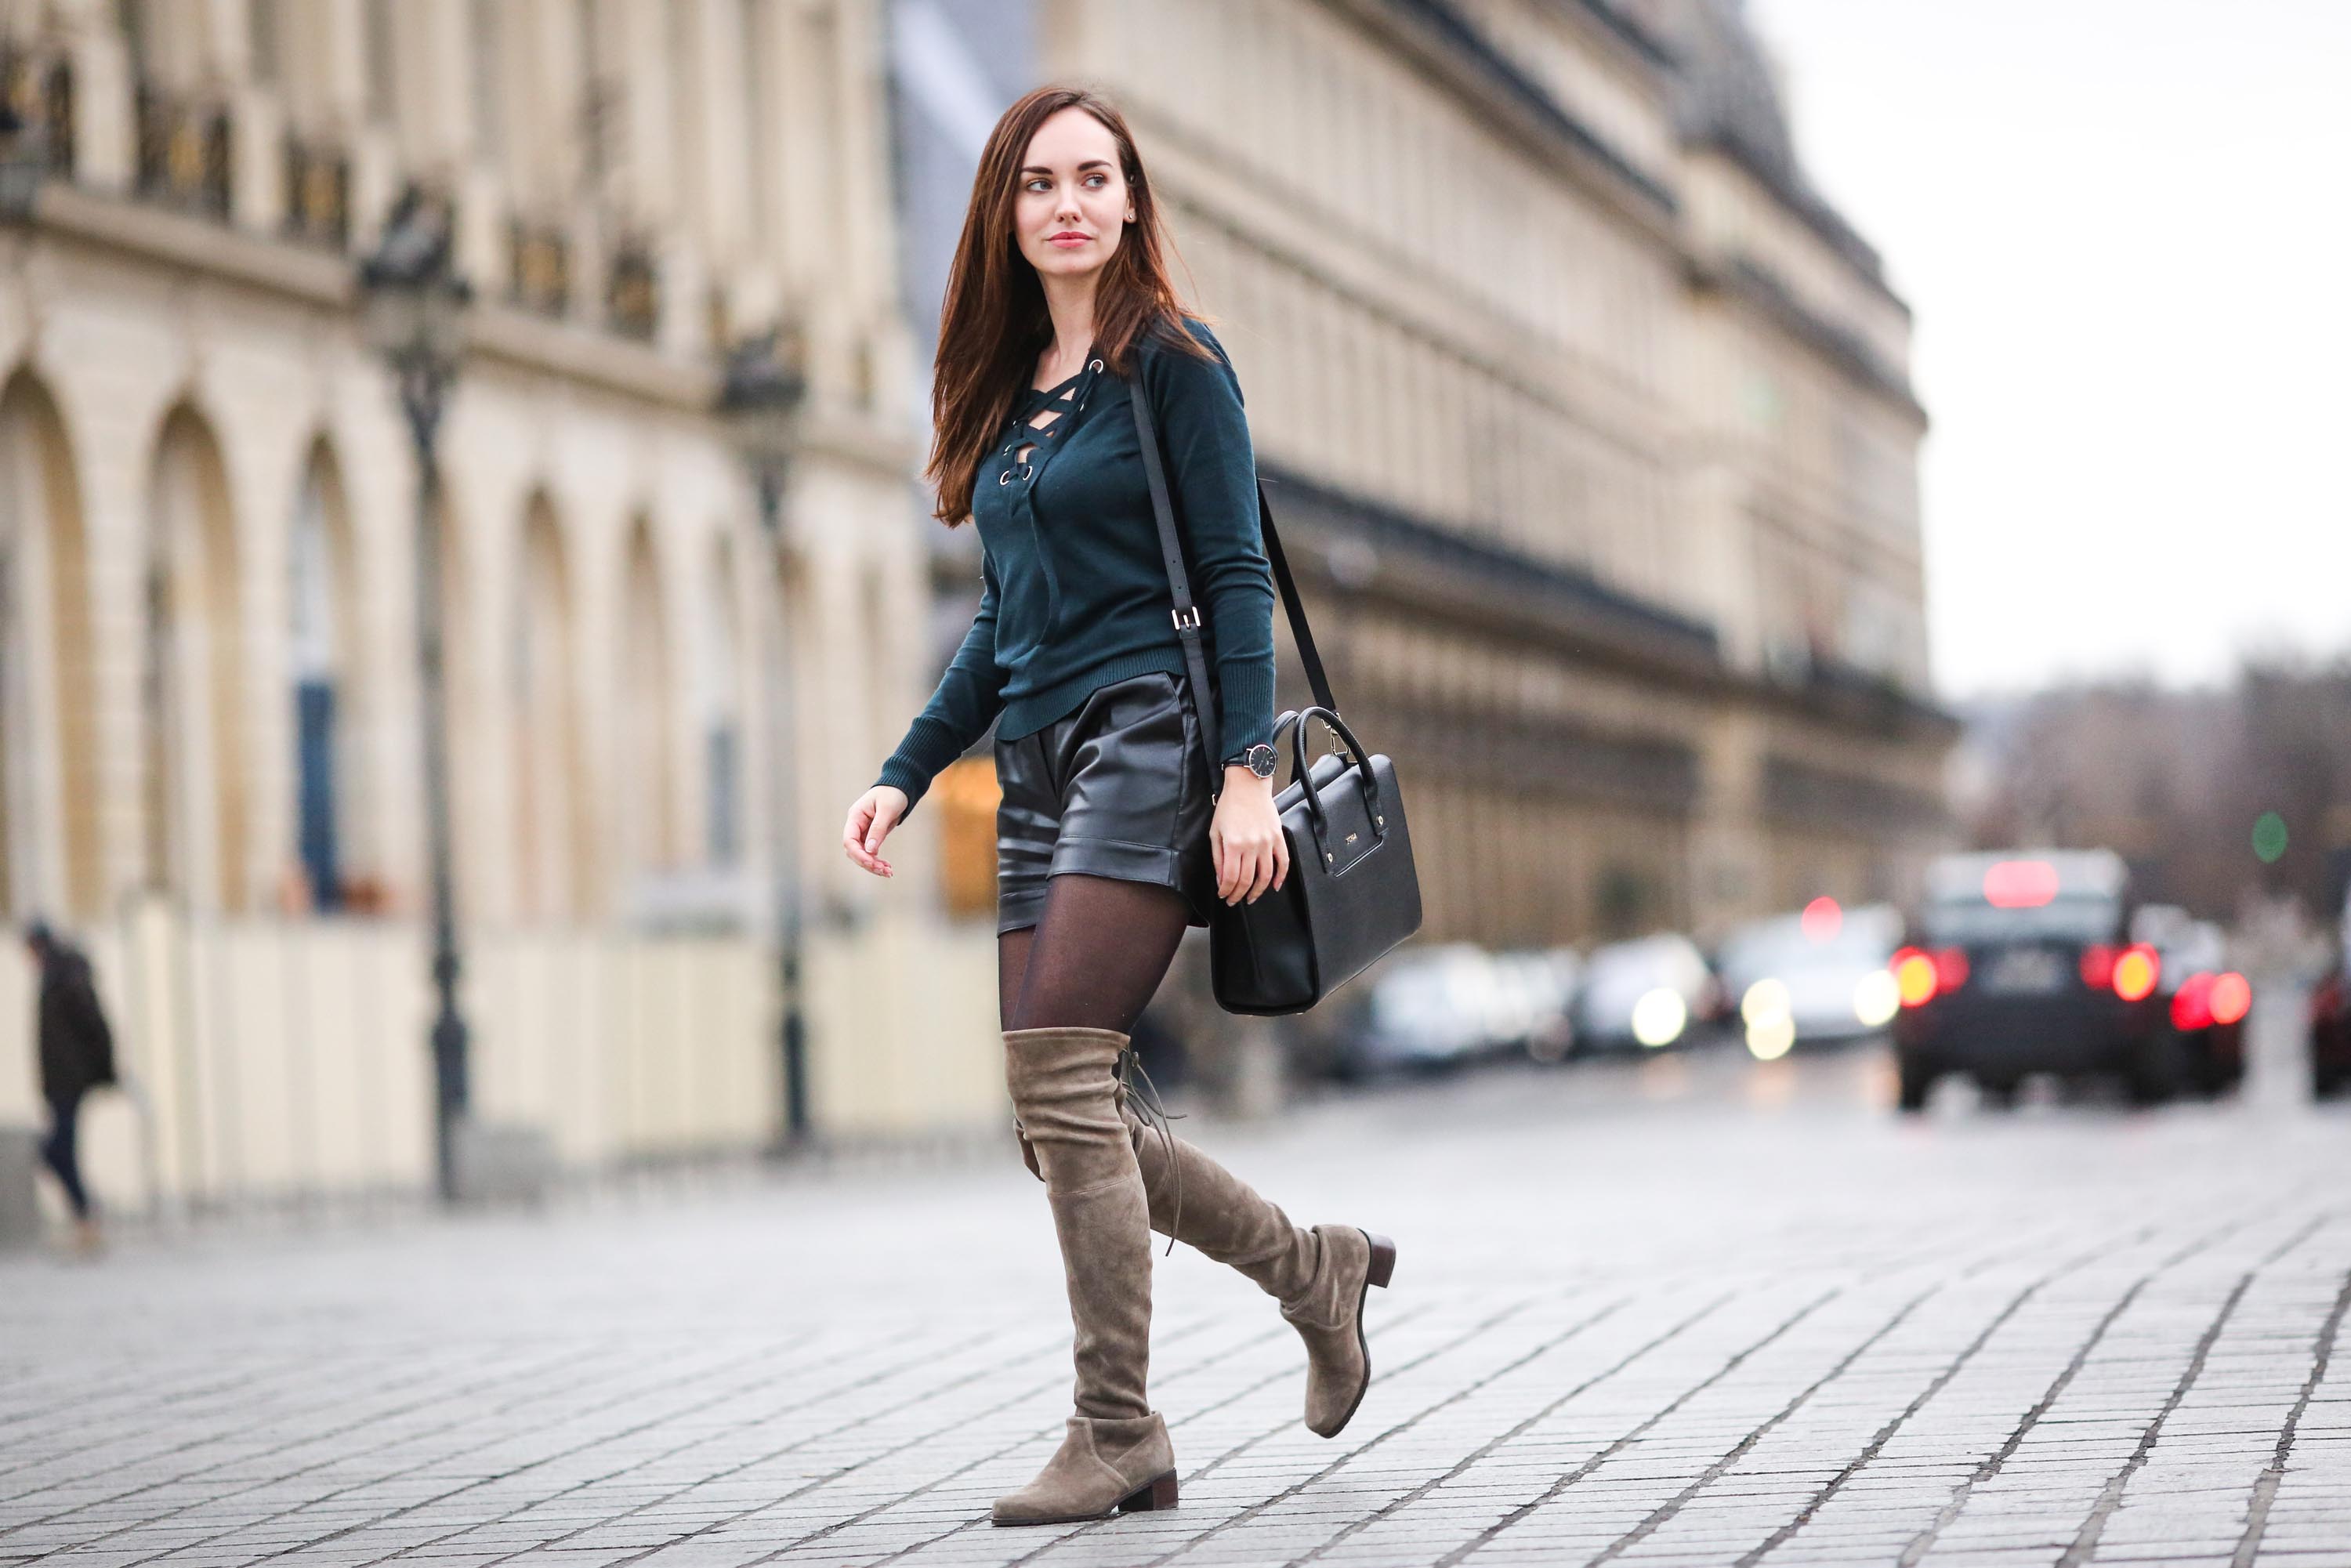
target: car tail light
1822 919
2136 969
2019 884
2232 997
1914 976
2097 965
1950 969
2191 1005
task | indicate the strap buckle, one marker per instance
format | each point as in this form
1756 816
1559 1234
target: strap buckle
1184 625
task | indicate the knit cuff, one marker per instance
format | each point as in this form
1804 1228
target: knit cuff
901 774
1244 705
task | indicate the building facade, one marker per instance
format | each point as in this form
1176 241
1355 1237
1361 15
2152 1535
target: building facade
210 752
1587 423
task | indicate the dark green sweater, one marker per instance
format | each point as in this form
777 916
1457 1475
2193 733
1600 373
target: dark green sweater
1073 592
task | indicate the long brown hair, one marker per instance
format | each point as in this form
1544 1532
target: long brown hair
994 322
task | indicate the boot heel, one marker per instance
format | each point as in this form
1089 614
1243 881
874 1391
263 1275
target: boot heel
1159 1494
1383 1259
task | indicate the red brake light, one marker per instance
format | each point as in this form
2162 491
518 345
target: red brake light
2097 965
2136 969
2191 1005
1951 969
1914 976
2019 884
1822 919
2232 997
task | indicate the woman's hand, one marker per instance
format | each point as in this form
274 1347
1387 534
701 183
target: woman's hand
1251 852
870 821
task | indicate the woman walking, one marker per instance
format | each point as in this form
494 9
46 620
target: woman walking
1114 830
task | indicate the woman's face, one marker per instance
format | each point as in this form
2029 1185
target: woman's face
1072 206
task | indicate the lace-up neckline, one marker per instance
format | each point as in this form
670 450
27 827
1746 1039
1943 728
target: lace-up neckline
1066 399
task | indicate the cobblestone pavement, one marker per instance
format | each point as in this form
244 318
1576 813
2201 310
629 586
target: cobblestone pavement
1689 1310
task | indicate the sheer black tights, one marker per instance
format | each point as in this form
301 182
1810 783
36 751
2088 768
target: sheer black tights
1096 957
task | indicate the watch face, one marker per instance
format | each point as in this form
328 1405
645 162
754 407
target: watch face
1261 759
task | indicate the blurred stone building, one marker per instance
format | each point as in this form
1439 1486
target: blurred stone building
1586 420
209 690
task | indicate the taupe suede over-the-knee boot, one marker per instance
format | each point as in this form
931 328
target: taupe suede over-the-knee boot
1321 1276
1117 1454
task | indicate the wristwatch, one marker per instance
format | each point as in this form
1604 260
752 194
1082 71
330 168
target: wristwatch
1259 759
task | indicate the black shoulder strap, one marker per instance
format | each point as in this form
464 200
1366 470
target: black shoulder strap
1187 614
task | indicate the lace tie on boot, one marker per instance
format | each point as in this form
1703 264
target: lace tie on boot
1154 1111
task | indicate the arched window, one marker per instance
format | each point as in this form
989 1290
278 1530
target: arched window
322 669
194 676
718 708
485 40
49 859
882 637
647 743
550 829
787 649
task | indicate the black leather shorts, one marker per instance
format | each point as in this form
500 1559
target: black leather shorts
1119 788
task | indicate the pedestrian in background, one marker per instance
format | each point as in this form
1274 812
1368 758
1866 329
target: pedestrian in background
1058 308
77 1051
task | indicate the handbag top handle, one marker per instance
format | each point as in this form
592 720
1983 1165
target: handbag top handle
1187 613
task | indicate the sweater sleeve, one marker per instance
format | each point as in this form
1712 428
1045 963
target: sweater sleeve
1212 473
969 696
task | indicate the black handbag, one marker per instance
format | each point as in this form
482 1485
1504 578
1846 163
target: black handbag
1351 893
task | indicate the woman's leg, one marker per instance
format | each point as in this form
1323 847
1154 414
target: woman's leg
61 1152
1098 954
1223 1217
1321 1275
1011 963
1096 960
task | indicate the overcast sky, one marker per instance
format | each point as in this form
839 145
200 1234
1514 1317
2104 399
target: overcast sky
2125 227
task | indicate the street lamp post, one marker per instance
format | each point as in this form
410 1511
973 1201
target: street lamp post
760 401
415 307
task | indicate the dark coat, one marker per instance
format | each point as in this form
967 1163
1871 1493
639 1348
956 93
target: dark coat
77 1046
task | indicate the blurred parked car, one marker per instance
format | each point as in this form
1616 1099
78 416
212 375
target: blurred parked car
2022 964
2205 1001
2330 1036
1532 989
1642 995
1819 975
2330 1021
1428 1008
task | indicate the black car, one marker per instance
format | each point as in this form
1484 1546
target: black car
2205 1001
2330 1036
2021 964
